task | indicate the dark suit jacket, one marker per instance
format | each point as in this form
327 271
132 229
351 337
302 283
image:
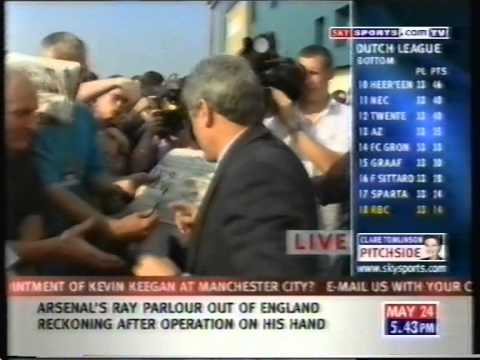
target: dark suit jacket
259 190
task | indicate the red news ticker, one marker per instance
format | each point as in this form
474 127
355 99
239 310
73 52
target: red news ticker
188 286
411 311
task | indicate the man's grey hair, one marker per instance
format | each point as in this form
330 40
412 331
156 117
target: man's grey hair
65 43
228 84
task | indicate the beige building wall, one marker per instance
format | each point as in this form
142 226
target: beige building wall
341 81
238 20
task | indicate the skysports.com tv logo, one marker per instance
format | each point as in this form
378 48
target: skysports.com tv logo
318 242
389 32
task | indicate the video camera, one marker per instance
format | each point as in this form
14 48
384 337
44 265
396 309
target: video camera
166 104
273 71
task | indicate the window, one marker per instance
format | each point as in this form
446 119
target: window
319 31
342 18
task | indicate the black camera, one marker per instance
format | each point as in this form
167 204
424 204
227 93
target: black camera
273 71
167 108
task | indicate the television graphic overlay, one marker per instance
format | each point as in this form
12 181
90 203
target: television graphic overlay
411 319
393 255
410 81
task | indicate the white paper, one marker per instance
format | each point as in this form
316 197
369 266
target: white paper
56 81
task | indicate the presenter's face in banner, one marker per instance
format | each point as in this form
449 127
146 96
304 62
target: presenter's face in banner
21 117
432 248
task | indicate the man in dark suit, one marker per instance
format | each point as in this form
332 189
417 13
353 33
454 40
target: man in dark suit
260 189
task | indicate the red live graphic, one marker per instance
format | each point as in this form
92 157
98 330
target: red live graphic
305 242
322 242
411 311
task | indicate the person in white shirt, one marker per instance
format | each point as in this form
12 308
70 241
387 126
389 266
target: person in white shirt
316 127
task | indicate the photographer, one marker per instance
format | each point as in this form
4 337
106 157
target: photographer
155 125
317 127
151 82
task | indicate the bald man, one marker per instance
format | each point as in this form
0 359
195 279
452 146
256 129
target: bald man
21 103
26 197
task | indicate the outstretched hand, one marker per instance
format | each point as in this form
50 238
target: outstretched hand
73 248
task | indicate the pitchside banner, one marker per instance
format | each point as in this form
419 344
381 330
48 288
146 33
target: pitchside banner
200 318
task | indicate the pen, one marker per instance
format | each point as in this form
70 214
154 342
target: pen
150 213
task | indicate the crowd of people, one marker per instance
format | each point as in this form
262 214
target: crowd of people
69 184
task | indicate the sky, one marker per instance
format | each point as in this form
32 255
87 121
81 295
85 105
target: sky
123 37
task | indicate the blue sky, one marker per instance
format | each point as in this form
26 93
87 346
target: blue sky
124 37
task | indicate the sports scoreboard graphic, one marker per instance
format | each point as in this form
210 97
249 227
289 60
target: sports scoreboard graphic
411 189
411 319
